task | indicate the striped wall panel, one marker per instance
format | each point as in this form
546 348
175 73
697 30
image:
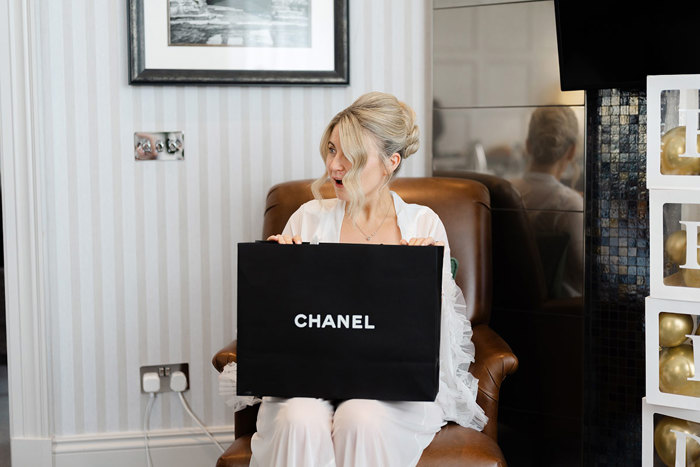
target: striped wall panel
141 256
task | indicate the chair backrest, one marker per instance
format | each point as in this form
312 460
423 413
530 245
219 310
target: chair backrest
519 280
462 205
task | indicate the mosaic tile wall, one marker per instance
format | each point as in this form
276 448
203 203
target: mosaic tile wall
617 276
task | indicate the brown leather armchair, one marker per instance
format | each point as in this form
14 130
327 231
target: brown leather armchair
464 207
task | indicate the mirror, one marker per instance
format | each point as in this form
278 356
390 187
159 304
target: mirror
500 118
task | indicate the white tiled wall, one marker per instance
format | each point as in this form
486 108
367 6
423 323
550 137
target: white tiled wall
501 55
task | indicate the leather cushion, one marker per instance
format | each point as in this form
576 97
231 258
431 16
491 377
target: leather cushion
456 446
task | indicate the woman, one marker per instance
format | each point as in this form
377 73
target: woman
363 147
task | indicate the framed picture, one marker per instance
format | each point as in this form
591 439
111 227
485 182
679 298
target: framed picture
238 41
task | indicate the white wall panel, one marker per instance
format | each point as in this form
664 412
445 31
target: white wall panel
141 257
25 239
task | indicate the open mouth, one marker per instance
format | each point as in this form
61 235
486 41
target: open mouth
338 182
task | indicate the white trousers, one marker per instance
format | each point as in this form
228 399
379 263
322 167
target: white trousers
304 432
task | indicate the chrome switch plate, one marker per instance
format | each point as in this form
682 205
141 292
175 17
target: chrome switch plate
159 146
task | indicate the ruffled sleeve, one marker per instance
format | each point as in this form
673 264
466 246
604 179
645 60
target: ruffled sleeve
227 388
458 387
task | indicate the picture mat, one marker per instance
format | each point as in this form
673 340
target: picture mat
160 55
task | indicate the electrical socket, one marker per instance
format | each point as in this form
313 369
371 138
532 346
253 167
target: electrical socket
164 371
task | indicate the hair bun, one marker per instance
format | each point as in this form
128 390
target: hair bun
412 142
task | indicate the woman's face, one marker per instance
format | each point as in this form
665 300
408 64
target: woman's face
373 174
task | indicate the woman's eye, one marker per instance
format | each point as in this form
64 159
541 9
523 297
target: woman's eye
331 150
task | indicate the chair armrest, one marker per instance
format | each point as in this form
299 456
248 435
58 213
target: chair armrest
225 356
494 361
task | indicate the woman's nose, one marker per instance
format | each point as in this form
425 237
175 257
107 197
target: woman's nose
335 163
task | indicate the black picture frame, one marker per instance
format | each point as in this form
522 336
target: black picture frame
140 75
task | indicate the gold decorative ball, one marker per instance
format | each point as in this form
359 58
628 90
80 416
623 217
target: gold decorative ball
672 146
675 247
665 440
691 277
673 327
676 365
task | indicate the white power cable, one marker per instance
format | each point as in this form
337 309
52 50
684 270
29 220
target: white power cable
194 417
146 423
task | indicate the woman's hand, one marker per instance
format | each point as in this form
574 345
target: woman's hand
421 242
285 239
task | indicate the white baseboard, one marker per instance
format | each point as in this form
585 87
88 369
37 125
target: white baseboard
177 448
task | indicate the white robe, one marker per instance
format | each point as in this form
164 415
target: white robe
411 424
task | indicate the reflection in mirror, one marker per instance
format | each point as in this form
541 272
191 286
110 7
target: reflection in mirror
494 66
561 253
501 55
540 151
493 141
552 138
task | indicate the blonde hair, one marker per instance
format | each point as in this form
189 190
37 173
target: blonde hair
553 130
376 120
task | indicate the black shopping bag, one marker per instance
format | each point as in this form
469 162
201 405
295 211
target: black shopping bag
339 321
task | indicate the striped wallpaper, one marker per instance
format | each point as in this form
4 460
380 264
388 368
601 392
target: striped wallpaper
141 256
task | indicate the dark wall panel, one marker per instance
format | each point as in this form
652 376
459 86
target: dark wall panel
617 276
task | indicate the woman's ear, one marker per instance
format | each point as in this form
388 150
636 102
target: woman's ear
394 161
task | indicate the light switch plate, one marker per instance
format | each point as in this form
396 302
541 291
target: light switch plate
160 146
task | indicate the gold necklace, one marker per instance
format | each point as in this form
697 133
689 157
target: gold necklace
369 237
